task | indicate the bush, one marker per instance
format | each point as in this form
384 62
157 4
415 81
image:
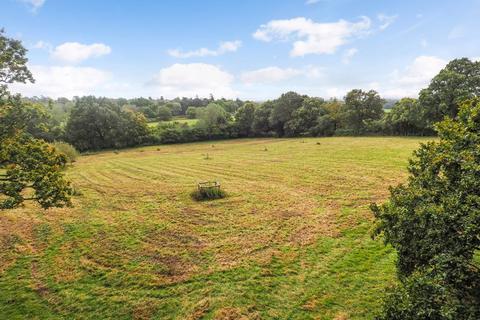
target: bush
208 193
345 133
67 149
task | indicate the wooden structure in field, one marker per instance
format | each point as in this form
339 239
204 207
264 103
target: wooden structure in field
208 186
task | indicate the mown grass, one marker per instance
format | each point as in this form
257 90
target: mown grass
291 241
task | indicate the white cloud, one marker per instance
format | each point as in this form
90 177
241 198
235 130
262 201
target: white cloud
224 47
335 92
386 21
348 55
422 70
33 4
62 81
229 46
276 74
424 43
42 45
312 37
192 79
74 52
416 76
312 1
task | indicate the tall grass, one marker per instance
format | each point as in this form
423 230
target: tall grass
203 194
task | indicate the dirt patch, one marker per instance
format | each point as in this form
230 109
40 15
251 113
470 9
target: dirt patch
144 309
341 316
230 313
38 286
171 266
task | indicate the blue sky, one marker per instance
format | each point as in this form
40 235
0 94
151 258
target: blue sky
248 49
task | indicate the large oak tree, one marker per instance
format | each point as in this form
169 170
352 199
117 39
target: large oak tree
30 169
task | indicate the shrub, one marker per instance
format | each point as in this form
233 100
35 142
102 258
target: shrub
67 149
344 133
208 193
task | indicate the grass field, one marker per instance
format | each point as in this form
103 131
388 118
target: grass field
190 122
291 241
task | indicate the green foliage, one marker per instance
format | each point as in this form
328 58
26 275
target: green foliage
244 118
174 107
38 121
148 107
359 107
175 132
304 120
326 126
212 115
170 133
458 81
231 106
19 116
405 118
204 194
342 132
31 164
27 163
261 122
427 295
98 123
91 123
283 109
57 111
13 63
164 113
30 169
66 149
191 113
213 119
433 222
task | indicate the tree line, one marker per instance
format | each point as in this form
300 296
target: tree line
92 123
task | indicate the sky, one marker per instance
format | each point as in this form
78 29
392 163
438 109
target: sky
250 49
